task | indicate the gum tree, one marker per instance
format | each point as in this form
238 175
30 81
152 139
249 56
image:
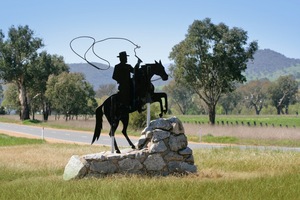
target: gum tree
70 94
17 54
44 66
283 92
211 60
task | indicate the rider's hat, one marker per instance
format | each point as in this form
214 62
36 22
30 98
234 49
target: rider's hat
122 54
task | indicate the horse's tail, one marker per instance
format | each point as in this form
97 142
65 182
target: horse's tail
98 126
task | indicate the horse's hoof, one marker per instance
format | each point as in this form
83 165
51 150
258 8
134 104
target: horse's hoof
133 147
118 151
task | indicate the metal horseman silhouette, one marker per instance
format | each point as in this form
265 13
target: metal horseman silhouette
133 94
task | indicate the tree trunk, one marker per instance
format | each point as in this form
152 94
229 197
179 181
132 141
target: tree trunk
23 102
279 110
46 111
257 111
286 110
212 114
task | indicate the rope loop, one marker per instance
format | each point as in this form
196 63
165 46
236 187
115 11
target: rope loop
94 42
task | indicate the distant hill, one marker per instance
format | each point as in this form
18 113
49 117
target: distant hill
271 64
266 64
94 76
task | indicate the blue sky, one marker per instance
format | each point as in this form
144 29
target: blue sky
155 25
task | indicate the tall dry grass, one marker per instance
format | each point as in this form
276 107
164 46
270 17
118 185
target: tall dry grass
35 172
42 157
243 131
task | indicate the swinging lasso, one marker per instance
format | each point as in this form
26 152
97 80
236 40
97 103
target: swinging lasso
93 49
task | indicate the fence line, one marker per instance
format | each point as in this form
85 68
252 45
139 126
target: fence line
242 123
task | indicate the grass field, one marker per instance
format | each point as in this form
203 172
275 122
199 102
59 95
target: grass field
34 171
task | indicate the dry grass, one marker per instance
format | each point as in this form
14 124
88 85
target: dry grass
228 163
35 172
45 157
41 157
243 131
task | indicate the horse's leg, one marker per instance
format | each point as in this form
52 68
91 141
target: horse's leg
116 146
164 95
113 118
114 125
125 120
161 107
157 98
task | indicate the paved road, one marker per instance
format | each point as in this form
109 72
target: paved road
86 137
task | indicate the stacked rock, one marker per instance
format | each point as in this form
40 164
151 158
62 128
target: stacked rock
163 150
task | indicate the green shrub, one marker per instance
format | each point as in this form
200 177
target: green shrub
138 120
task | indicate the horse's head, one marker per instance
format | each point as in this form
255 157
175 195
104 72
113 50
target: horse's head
160 71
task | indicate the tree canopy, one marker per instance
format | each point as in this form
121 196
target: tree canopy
70 93
211 60
44 66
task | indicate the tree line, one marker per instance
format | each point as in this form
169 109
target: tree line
37 80
251 97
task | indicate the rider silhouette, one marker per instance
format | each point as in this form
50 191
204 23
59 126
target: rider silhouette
123 77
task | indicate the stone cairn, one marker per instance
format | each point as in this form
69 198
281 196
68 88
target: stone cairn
162 150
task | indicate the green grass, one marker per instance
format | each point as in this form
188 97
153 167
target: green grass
244 141
35 172
6 140
281 188
269 120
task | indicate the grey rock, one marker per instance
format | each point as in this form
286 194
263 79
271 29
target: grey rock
177 125
130 165
186 151
142 142
161 124
149 134
142 154
159 135
154 162
147 129
114 156
95 156
172 156
190 159
75 168
105 167
158 147
177 142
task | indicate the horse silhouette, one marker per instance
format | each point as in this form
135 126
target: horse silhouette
143 93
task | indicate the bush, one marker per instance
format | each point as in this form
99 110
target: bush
138 120
2 110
